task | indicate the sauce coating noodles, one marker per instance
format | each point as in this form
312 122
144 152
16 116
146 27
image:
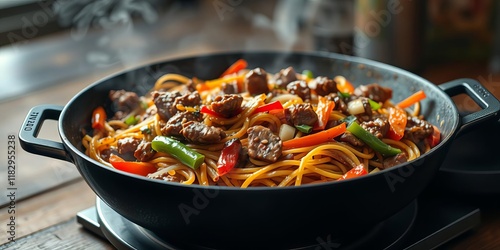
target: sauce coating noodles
251 128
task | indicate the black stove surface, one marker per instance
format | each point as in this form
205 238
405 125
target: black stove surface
426 223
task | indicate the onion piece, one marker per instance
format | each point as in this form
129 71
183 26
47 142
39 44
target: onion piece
355 107
287 132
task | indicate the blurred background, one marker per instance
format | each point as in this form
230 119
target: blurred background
49 42
50 50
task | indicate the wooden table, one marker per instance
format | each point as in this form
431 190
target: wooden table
50 192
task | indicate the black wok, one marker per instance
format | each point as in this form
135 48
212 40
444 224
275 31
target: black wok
282 217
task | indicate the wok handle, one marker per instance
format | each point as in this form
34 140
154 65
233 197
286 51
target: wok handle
483 98
31 127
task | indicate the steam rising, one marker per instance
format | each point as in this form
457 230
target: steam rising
126 33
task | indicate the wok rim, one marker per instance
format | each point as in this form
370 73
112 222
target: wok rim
319 54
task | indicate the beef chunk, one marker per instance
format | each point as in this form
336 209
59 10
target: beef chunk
340 103
124 102
174 125
227 105
198 132
333 123
300 89
377 127
164 102
263 144
161 174
144 151
230 88
284 77
106 153
325 86
416 129
190 86
256 82
374 91
394 160
351 139
302 114
189 100
151 111
126 147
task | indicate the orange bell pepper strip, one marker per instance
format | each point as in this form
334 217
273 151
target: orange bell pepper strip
343 85
323 111
397 123
316 138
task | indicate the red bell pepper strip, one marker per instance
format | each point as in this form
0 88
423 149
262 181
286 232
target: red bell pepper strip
229 156
435 138
98 118
139 168
268 107
316 138
357 171
410 100
235 67
397 123
205 110
323 111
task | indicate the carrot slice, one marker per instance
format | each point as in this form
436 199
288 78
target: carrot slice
410 100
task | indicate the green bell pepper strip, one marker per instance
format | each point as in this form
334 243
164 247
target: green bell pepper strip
309 74
374 105
178 150
344 94
131 120
371 140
